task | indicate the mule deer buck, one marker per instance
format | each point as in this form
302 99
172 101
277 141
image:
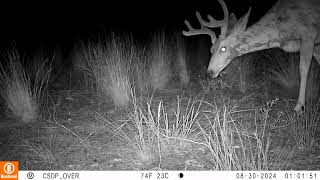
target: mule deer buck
292 25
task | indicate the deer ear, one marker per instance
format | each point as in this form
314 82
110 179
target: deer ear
231 22
241 24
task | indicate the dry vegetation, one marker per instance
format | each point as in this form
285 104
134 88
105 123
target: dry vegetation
110 63
24 96
160 65
151 131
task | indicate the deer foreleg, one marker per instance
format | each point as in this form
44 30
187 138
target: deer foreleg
306 52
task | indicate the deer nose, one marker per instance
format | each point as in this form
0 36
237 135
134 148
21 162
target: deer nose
212 74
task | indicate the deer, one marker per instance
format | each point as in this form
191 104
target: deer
291 25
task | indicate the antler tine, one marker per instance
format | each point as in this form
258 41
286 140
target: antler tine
203 30
226 19
218 23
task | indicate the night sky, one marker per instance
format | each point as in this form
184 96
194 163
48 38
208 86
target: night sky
39 24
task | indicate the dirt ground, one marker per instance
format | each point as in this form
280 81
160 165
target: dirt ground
75 138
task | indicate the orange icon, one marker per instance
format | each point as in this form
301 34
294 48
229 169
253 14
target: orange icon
9 170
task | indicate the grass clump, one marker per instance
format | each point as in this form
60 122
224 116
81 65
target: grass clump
25 97
160 59
110 63
304 126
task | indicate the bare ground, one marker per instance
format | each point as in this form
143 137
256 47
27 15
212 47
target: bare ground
73 137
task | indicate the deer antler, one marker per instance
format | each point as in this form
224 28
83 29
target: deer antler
203 30
222 23
211 24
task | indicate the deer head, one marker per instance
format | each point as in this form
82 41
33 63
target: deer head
225 47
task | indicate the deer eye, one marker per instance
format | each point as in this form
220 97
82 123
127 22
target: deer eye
223 49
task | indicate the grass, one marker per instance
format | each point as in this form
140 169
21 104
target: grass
152 131
285 72
110 64
81 69
234 77
43 151
25 97
141 70
236 146
153 65
160 56
155 133
156 129
304 126
221 134
116 63
181 58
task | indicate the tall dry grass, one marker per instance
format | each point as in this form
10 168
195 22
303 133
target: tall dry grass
286 74
141 67
160 61
304 126
147 67
82 69
181 58
24 96
286 70
110 62
155 130
234 145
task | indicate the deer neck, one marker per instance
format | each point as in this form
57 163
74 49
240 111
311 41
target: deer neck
262 35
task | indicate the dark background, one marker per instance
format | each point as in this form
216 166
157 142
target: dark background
44 23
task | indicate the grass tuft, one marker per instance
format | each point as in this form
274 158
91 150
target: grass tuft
155 130
304 126
160 68
110 63
25 97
